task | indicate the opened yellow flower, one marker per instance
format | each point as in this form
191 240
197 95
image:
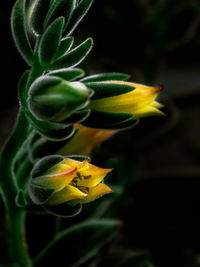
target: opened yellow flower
84 141
140 102
73 182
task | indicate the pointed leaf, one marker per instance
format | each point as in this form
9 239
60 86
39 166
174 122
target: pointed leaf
78 14
65 46
38 16
60 8
67 74
50 42
85 238
74 57
19 31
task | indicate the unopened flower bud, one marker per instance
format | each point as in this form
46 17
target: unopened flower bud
54 99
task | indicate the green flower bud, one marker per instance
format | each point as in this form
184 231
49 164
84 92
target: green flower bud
54 99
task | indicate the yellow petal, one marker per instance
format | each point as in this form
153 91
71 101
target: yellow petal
85 140
56 181
76 164
67 194
92 176
148 111
96 192
58 168
129 102
156 104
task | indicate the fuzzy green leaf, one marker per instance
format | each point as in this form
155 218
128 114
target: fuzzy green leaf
67 74
65 46
105 77
78 14
85 238
19 31
60 8
74 57
38 16
50 42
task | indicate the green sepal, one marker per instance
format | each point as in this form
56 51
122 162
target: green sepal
43 83
105 120
65 46
103 89
20 199
44 164
22 88
106 77
74 57
19 31
63 210
37 91
78 117
78 14
59 8
50 42
38 194
51 130
123 125
38 16
67 74
78 157
85 238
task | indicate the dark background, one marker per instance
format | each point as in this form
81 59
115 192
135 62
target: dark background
157 42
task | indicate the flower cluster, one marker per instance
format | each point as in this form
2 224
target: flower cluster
69 114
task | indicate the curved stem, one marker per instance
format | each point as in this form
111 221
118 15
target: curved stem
8 188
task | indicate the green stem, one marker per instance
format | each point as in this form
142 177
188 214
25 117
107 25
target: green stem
8 188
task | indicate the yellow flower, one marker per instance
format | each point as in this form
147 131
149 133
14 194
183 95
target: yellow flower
140 102
73 182
83 142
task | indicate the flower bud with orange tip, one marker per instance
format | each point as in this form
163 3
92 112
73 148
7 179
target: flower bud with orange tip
117 104
65 183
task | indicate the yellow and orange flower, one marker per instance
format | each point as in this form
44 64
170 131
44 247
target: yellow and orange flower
73 182
140 102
